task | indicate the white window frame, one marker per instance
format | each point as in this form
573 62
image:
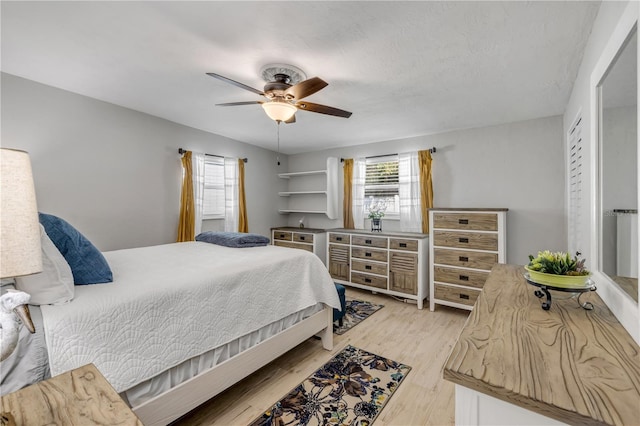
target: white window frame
219 213
393 214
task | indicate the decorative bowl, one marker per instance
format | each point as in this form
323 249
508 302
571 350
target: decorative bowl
562 281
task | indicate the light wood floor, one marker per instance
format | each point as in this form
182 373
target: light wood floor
419 338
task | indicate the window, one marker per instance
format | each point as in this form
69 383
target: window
213 199
381 185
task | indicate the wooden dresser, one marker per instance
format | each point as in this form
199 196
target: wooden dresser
391 263
464 246
78 397
515 363
310 239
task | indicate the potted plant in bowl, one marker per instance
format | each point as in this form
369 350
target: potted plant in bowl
558 269
376 213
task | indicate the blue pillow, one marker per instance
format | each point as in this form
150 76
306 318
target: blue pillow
87 264
233 239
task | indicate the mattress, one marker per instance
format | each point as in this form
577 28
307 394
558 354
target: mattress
174 302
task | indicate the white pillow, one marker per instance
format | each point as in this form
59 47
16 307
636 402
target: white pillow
52 286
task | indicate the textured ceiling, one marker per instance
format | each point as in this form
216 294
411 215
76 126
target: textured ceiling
403 68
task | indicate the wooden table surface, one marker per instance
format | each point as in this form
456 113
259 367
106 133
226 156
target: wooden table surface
78 397
576 366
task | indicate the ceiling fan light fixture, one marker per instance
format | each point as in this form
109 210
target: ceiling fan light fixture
279 111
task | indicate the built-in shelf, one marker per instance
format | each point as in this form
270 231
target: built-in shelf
294 174
302 211
286 194
328 204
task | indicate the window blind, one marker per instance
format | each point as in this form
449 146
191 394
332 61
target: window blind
576 174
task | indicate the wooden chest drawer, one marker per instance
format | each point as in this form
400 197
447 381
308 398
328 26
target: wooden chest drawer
370 280
361 240
307 247
282 235
472 240
460 276
339 238
373 268
401 244
470 221
369 254
302 238
465 296
467 259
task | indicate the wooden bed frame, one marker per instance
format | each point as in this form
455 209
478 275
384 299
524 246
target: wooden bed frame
183 398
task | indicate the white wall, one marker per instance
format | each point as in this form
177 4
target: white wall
519 166
115 173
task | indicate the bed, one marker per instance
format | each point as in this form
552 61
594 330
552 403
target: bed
182 322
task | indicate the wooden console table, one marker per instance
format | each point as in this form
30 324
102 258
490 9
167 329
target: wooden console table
78 397
515 363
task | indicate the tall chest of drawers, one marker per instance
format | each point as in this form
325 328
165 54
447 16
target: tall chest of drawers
464 245
309 239
389 263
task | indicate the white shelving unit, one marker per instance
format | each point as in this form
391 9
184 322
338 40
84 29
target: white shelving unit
320 198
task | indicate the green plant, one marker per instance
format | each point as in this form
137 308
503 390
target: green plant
558 263
377 209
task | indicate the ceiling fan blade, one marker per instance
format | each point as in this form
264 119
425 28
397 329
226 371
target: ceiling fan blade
322 109
235 83
306 88
291 120
240 103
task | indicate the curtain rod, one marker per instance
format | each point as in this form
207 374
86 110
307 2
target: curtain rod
431 150
182 151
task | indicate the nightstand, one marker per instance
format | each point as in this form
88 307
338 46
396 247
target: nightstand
78 397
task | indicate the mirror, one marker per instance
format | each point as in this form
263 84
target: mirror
618 152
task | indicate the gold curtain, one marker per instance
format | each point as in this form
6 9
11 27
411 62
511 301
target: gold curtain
347 201
426 187
243 222
187 224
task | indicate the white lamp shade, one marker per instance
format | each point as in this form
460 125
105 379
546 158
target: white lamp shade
20 252
279 111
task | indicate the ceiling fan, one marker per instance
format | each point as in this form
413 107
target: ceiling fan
286 87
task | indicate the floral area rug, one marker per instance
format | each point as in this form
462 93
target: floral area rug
351 389
357 311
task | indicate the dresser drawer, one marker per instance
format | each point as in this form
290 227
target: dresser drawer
339 238
302 238
472 240
467 259
470 221
400 244
369 254
370 280
460 276
307 247
465 296
282 235
373 268
360 240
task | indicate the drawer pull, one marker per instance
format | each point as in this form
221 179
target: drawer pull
464 278
367 254
464 296
367 280
403 245
367 241
367 267
301 237
463 240
338 238
281 235
463 258
463 221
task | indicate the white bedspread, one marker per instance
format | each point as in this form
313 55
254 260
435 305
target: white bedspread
171 302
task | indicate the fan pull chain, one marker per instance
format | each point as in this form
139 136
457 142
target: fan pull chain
278 156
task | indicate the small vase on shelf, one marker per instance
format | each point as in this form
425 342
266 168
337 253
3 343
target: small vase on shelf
376 225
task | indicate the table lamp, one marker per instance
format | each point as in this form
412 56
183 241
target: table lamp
20 251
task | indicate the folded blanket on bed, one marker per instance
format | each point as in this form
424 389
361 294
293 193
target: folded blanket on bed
233 239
